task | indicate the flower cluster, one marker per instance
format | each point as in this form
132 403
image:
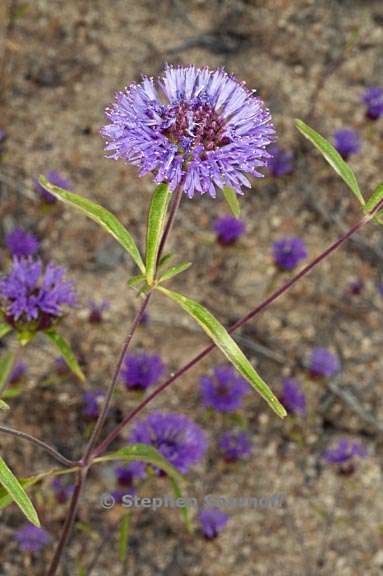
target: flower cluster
235 446
293 398
228 229
197 128
281 162
96 310
92 401
288 252
344 451
323 363
346 142
373 99
31 294
20 243
55 179
224 389
140 371
212 521
61 491
174 435
32 539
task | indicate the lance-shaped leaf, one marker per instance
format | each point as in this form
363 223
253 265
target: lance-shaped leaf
333 158
66 352
374 199
142 453
231 198
17 493
174 270
4 329
123 536
156 223
227 345
3 405
101 216
6 363
136 280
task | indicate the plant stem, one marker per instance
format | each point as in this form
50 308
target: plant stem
274 296
52 451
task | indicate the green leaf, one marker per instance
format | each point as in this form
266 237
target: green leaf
374 199
6 363
12 392
231 198
165 260
136 280
3 405
227 345
156 222
123 536
64 348
4 329
333 158
174 270
17 493
99 215
142 453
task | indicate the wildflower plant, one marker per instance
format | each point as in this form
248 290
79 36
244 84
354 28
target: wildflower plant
197 131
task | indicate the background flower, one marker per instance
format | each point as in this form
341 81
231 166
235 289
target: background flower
293 397
56 179
92 402
344 451
373 98
196 126
288 252
224 389
323 363
140 371
235 445
228 229
346 142
212 521
281 161
21 243
32 539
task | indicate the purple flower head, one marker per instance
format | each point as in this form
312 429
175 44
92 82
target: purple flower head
17 373
373 98
212 521
356 287
288 252
175 436
31 538
293 397
323 363
235 446
62 491
92 401
56 179
228 229
344 451
196 127
346 142
126 475
20 243
96 310
224 389
29 293
61 366
140 371
281 162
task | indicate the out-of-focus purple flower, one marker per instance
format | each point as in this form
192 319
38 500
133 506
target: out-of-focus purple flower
288 252
235 446
346 142
281 162
344 451
56 179
140 371
126 475
224 389
323 363
62 491
199 128
61 366
174 435
373 98
20 243
356 287
212 521
92 401
3 135
228 229
32 539
380 288
17 373
28 293
96 310
293 397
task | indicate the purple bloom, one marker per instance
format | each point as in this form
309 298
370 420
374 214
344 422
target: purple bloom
235 446
92 401
61 365
323 363
288 252
20 243
31 538
96 310
224 389
28 293
199 128
293 398
228 229
56 179
126 475
373 98
344 452
140 371
175 436
281 162
18 371
346 142
62 491
212 521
